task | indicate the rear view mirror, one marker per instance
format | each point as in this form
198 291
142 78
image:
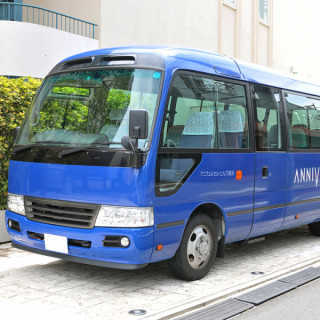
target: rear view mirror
138 124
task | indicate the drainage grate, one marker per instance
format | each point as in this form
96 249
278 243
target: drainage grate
302 277
219 311
266 292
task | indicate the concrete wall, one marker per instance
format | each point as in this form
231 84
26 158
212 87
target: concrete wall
4 236
296 37
179 22
32 50
215 25
287 42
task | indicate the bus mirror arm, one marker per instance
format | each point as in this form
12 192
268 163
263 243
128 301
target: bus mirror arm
136 156
138 129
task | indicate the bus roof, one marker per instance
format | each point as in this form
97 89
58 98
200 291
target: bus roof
208 62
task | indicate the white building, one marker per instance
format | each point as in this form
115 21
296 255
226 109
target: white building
33 40
277 34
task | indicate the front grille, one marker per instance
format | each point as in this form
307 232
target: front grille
61 213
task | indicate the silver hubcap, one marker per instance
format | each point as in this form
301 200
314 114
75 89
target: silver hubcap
199 247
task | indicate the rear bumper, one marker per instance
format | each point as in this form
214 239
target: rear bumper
137 255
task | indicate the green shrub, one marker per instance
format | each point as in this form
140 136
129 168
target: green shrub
15 98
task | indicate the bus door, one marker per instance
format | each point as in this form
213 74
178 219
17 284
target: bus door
270 162
205 154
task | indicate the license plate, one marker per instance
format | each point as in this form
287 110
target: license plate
56 243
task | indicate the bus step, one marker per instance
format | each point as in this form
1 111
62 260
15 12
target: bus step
255 240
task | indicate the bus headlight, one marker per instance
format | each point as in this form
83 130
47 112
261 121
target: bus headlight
127 217
15 203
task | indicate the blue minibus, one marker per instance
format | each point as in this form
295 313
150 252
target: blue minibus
134 155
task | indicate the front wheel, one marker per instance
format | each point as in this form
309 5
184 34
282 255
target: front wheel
314 228
197 251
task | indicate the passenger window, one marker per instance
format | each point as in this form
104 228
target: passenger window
204 113
267 118
304 119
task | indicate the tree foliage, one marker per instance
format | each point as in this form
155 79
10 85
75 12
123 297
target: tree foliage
15 98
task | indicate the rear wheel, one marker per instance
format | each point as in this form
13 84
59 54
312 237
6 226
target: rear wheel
197 250
314 228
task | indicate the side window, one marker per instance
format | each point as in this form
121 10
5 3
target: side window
267 118
204 113
304 121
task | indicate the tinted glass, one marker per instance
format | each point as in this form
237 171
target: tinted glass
204 113
304 121
267 118
90 108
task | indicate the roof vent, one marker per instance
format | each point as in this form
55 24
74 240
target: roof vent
116 60
79 63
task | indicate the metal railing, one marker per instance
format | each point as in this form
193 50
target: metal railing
37 15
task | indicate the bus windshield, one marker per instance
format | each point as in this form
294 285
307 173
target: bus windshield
90 108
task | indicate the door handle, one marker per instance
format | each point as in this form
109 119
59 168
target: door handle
265 172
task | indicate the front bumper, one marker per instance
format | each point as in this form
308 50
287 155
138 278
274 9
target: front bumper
137 255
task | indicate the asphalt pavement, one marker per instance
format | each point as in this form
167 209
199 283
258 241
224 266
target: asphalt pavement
301 303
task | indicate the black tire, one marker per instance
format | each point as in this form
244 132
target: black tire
198 249
314 228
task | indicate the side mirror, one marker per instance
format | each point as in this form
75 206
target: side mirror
138 129
138 124
15 132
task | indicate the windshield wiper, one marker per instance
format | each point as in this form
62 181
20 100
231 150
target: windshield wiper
86 148
22 148
17 149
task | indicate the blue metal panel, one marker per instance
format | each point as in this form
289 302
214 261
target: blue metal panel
101 185
270 192
266 76
214 181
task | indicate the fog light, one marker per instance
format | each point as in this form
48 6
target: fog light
125 241
14 225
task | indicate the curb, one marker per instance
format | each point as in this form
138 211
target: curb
194 305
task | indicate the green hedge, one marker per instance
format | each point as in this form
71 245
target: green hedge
15 98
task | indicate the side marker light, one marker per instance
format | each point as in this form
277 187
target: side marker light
239 174
159 247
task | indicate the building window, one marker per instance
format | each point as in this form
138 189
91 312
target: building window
264 10
232 2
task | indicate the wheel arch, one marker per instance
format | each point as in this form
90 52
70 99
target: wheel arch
216 214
